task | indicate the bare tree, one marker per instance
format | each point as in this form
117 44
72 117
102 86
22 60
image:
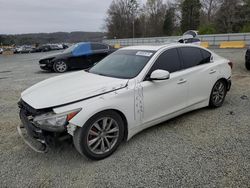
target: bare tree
154 12
120 18
210 7
190 15
228 17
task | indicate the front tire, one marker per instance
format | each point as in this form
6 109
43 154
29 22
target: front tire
60 66
218 94
100 136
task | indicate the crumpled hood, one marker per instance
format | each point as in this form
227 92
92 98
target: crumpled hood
69 88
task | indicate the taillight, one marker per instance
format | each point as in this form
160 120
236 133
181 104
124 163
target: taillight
230 64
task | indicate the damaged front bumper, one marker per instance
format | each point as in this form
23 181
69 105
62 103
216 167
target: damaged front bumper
37 145
38 139
32 135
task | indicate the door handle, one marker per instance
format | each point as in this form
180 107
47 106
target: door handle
212 71
182 81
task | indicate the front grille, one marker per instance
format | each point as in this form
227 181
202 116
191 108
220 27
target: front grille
27 109
30 111
45 61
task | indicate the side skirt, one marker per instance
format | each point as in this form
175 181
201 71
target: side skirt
139 128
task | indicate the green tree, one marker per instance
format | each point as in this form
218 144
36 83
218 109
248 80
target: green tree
168 26
207 29
190 15
246 28
230 17
245 16
209 8
1 40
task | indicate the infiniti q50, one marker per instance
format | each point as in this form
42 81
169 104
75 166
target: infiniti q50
130 90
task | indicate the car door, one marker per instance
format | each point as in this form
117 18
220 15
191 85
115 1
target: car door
81 56
81 62
199 73
166 96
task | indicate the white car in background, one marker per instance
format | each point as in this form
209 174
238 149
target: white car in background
190 37
130 90
1 50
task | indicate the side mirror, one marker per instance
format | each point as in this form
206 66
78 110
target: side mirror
159 75
211 59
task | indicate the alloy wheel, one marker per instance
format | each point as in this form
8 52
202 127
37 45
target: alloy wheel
61 66
103 135
218 93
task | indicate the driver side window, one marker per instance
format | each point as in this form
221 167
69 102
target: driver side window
168 60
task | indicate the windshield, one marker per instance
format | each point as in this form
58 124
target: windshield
123 63
71 48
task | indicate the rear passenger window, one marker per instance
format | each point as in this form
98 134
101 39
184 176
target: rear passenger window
191 57
206 56
97 46
168 60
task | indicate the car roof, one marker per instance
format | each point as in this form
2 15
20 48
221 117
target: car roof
158 47
83 43
87 43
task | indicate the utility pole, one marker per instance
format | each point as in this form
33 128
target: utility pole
133 8
133 25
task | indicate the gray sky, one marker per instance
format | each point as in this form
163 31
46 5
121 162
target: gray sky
33 16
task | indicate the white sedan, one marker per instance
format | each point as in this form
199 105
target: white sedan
128 91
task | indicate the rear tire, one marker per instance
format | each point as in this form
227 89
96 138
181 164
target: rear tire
100 136
218 94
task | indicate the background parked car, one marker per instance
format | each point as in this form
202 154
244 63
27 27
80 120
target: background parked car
50 47
56 47
79 56
247 58
190 37
44 48
65 46
24 49
1 50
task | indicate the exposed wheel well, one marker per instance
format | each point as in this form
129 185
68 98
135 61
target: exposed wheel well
125 123
225 81
222 79
125 136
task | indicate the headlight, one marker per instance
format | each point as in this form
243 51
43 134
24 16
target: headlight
54 122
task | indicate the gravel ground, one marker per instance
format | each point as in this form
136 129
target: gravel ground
204 148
